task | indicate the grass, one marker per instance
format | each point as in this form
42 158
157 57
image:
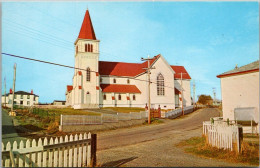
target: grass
124 109
45 120
198 146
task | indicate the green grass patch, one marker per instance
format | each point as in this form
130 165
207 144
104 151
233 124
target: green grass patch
198 146
124 109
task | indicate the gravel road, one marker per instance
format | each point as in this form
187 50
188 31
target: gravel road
154 145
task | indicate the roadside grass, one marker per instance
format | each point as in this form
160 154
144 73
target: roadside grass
45 120
154 121
198 146
124 109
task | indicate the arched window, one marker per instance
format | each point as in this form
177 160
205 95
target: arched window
88 74
77 49
86 48
160 85
128 81
91 48
104 97
119 97
133 97
114 80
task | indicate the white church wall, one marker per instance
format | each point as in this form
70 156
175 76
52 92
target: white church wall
166 101
186 91
119 80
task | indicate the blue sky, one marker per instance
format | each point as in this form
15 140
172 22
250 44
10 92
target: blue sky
208 38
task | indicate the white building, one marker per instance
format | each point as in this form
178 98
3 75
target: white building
240 93
105 84
20 98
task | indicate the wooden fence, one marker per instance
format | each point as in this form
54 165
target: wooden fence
103 118
70 151
222 135
177 112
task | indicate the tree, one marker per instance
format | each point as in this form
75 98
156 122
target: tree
205 99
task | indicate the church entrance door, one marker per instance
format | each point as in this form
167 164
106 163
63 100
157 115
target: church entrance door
88 98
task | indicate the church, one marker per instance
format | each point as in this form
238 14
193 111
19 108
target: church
97 84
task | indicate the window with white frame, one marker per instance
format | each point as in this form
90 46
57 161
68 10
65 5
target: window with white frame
160 85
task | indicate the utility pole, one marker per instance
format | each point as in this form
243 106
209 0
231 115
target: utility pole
5 93
194 92
182 97
149 83
12 108
214 95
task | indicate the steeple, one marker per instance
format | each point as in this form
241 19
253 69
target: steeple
87 30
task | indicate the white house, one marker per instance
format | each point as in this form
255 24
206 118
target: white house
20 98
104 84
240 93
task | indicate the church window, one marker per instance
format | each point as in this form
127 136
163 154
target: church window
160 85
101 80
77 49
128 81
133 97
114 80
88 74
119 97
86 47
91 48
104 97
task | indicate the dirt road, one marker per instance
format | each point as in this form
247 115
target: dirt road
155 145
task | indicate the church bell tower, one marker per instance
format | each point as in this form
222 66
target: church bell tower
86 82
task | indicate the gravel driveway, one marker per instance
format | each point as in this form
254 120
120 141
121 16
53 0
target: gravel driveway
154 145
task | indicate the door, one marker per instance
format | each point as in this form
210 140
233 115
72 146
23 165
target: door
88 98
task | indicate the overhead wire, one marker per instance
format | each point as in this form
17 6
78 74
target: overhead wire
71 67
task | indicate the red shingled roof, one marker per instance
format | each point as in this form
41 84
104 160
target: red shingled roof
119 88
123 68
178 70
69 88
87 30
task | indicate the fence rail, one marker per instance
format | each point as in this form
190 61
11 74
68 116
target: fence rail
177 112
223 135
103 118
70 151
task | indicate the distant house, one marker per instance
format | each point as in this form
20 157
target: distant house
59 102
240 93
20 98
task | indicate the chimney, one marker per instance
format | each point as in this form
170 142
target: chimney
31 91
11 91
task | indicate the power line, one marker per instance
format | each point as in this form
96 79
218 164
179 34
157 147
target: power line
71 67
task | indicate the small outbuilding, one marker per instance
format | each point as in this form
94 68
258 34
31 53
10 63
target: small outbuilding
240 93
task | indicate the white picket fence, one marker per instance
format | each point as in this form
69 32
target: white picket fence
177 112
70 151
221 135
103 118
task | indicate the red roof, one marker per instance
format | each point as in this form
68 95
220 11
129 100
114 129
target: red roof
178 70
87 30
115 88
69 88
123 68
